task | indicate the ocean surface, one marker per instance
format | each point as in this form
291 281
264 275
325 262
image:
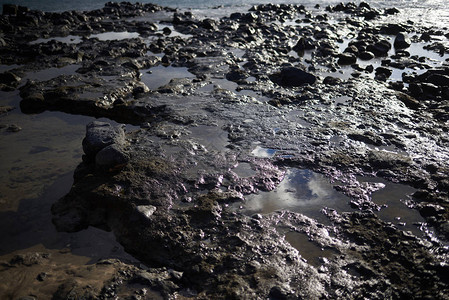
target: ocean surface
431 12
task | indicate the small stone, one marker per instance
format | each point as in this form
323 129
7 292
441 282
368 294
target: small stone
13 128
146 210
41 276
5 109
332 80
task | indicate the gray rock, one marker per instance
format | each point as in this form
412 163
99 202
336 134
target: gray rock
111 157
100 135
146 210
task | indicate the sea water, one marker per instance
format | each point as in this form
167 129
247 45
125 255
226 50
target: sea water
420 11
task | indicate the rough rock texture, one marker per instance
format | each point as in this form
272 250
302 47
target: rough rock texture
266 97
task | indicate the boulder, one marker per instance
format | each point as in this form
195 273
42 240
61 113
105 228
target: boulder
111 157
99 135
438 79
347 59
402 41
293 77
380 48
366 55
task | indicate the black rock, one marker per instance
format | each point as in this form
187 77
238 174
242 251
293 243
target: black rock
438 79
415 90
9 78
236 75
402 41
10 9
430 210
347 59
366 55
380 48
293 77
300 46
382 70
332 80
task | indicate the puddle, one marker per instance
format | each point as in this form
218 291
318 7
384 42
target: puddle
301 191
5 68
389 148
244 170
110 36
293 54
212 137
263 152
151 53
396 212
239 53
173 31
70 39
50 73
31 225
225 84
308 249
342 100
47 146
161 75
416 49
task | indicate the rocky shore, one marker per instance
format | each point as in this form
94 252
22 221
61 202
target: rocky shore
338 92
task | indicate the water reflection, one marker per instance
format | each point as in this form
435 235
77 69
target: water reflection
393 198
70 39
302 191
160 75
308 249
263 152
109 36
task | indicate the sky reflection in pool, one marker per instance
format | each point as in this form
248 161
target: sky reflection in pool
302 191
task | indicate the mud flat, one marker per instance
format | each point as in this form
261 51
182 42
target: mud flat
287 152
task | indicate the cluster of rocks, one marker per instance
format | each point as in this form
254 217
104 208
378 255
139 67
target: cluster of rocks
169 195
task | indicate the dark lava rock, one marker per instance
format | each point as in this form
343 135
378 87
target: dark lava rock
380 48
385 71
293 77
9 78
402 41
366 55
347 59
10 9
438 79
332 80
237 75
